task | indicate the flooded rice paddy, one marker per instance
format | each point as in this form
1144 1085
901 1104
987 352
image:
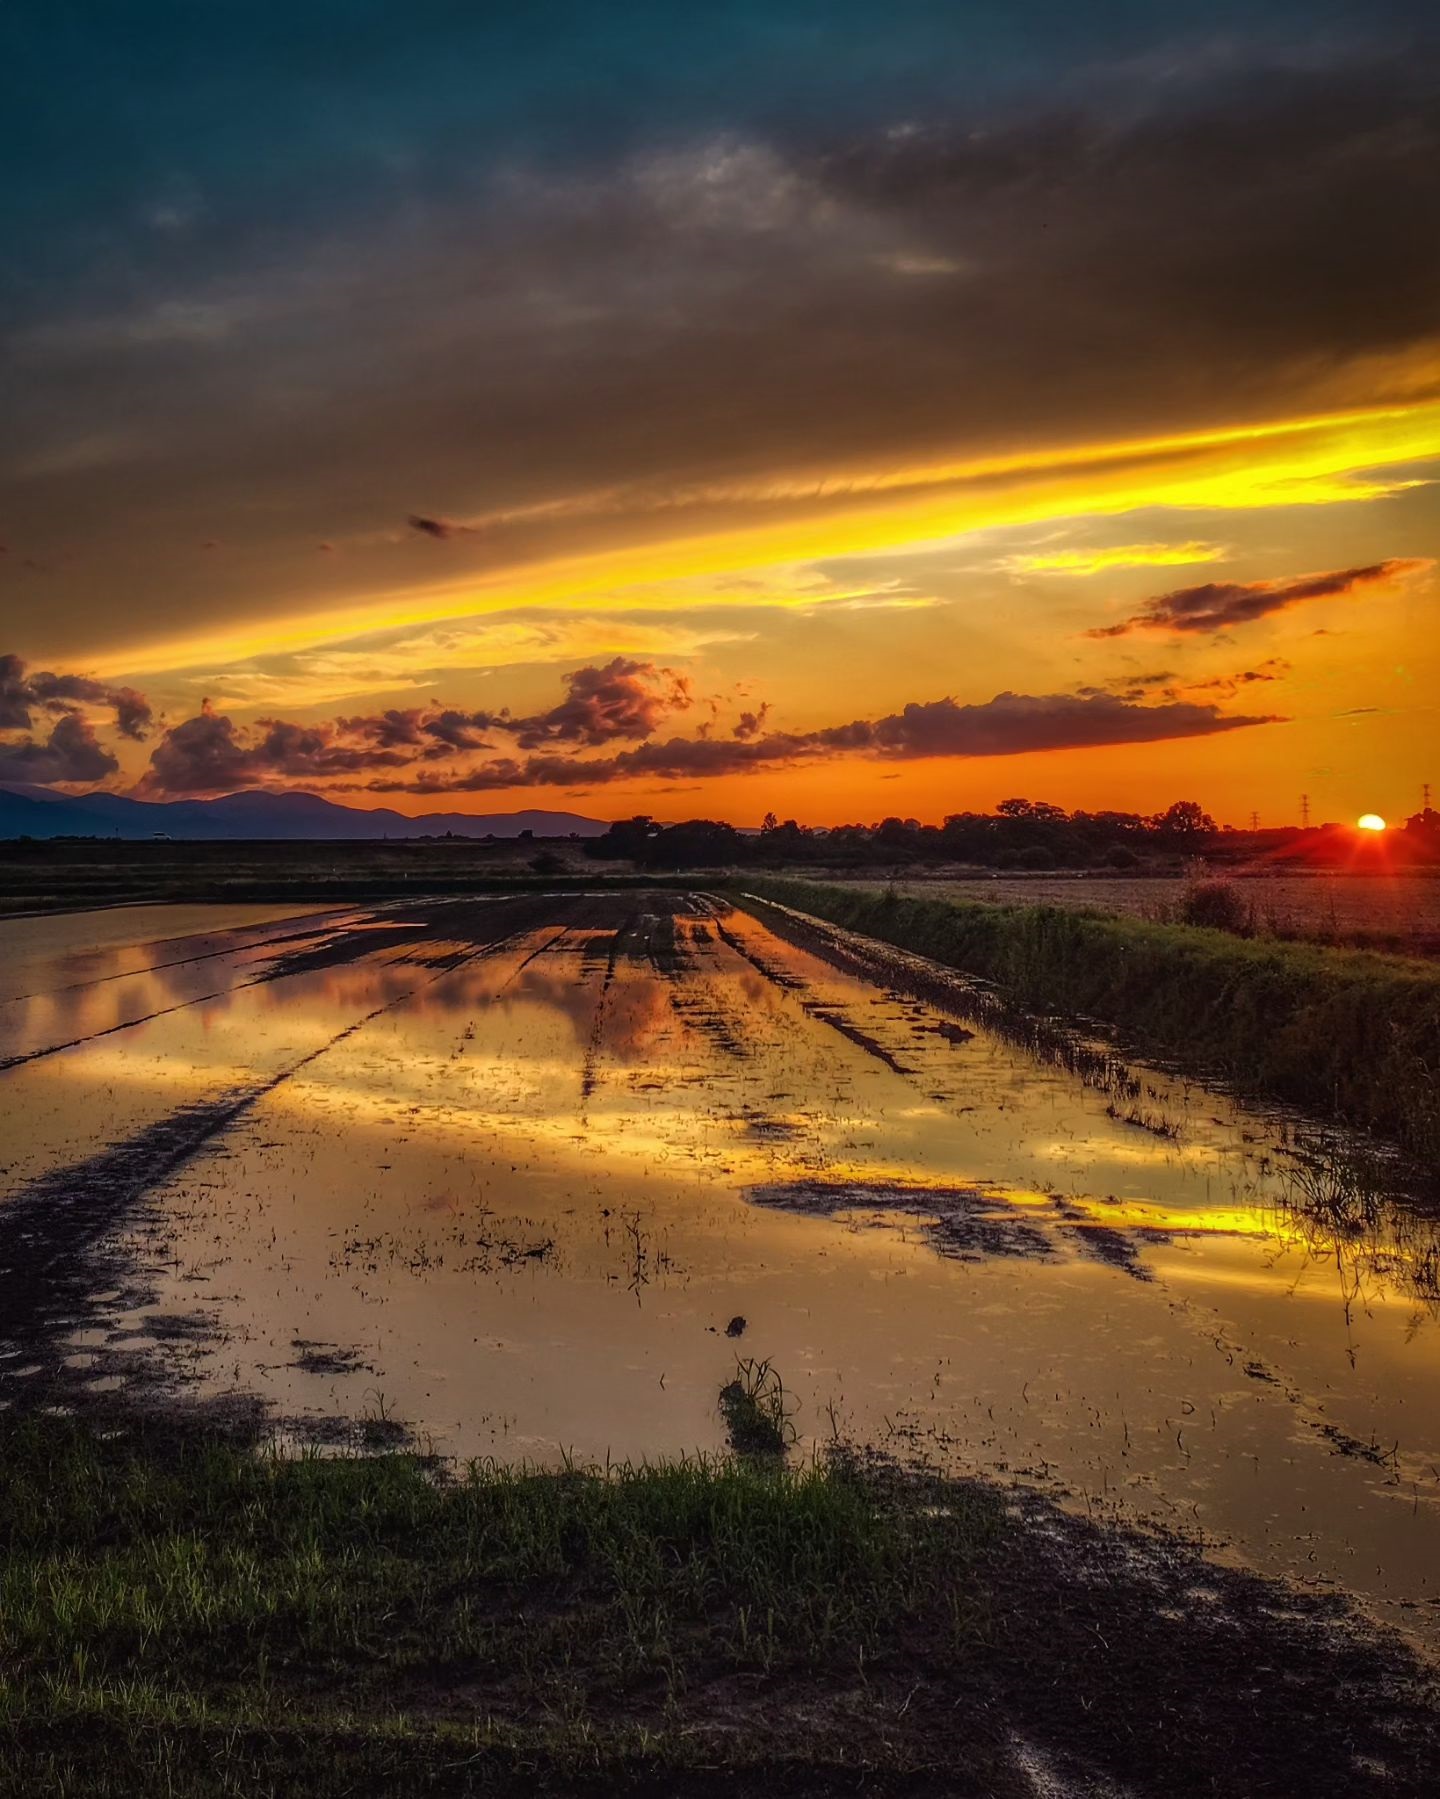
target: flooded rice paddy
525 1175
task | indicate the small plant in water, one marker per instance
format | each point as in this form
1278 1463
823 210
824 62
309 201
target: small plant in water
377 1428
754 1407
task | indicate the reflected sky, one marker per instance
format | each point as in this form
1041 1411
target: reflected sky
517 1206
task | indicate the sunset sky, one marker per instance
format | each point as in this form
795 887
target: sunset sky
841 410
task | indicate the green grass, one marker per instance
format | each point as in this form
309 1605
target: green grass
184 1616
1348 1033
199 1612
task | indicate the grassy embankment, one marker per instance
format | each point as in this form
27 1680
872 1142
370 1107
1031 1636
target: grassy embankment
1348 1033
188 1617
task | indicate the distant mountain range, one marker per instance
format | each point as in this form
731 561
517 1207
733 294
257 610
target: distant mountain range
35 812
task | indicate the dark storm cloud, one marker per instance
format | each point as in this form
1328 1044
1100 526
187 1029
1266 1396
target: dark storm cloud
1013 723
429 730
700 757
71 752
1273 215
1217 605
133 713
30 699
23 692
1009 724
401 751
625 698
576 348
210 753
449 729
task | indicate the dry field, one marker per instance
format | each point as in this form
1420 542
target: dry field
1393 911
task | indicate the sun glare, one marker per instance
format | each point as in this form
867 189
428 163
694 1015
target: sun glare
1370 821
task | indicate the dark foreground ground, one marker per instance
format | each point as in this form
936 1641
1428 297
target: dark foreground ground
187 1617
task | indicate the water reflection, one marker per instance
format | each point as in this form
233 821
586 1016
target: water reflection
517 1169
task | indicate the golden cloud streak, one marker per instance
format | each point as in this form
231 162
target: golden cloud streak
1307 461
1128 555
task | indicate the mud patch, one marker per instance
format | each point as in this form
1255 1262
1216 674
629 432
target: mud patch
1254 1678
964 1223
765 1127
838 1020
327 1358
1115 1248
463 1249
969 1223
335 951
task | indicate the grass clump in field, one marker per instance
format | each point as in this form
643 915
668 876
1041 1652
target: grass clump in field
1351 1034
755 1411
1215 904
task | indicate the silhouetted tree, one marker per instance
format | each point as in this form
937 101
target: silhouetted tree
627 839
1185 822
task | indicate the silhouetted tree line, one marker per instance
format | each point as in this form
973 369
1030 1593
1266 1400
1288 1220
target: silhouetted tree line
1023 834
1423 829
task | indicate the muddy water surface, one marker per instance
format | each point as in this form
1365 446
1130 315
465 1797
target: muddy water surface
511 1170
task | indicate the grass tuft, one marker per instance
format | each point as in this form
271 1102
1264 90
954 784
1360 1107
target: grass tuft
756 1410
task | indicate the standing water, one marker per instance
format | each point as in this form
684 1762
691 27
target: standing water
527 1174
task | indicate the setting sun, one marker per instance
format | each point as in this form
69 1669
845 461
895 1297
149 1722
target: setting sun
1370 821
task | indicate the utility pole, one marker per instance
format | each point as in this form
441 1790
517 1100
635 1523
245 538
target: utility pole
1424 796
1304 811
1254 821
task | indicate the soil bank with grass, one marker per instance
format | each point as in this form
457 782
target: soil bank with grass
190 1615
1351 1035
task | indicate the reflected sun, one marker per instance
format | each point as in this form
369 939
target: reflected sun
1370 821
